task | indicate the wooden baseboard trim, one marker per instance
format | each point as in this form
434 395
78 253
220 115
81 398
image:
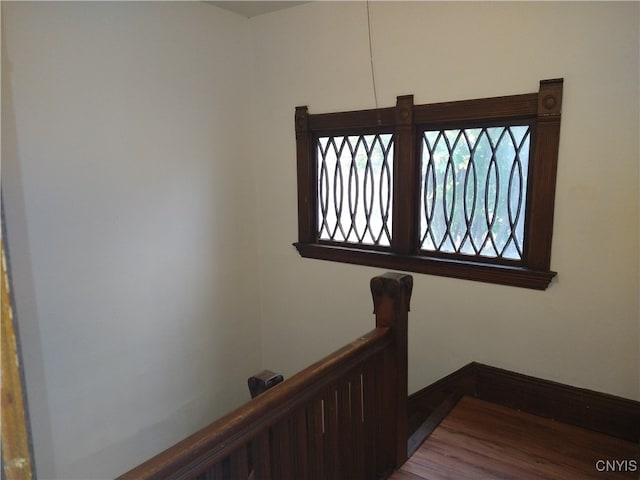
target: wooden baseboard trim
615 416
431 423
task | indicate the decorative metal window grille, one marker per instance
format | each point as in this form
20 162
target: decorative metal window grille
473 191
355 188
462 189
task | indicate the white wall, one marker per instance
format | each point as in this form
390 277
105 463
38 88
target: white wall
124 182
583 330
134 199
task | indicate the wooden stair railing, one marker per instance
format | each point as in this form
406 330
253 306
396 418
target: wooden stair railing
344 417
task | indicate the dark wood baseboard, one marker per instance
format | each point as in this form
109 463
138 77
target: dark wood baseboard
615 416
431 422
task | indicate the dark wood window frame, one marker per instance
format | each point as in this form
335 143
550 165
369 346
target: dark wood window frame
541 110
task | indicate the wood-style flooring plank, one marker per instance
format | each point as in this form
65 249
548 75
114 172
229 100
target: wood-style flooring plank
484 440
403 475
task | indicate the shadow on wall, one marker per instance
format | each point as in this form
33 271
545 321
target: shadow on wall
18 244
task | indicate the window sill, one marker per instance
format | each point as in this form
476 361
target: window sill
488 273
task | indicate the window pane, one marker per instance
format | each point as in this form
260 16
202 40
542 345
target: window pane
473 191
355 178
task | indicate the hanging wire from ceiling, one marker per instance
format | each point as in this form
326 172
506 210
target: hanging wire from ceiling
373 75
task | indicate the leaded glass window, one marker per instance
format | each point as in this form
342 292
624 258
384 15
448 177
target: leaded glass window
462 189
355 178
473 191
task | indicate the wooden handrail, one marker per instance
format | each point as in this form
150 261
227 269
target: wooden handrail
235 431
217 440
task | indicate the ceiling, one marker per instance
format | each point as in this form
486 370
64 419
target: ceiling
251 9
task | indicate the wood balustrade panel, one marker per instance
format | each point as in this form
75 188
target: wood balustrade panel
345 428
370 406
282 461
331 433
239 464
261 457
357 423
315 438
300 451
212 473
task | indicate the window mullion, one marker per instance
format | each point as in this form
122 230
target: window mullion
404 179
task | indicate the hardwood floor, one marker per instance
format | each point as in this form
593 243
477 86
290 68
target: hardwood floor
482 440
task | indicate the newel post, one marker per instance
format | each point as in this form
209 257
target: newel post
391 297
